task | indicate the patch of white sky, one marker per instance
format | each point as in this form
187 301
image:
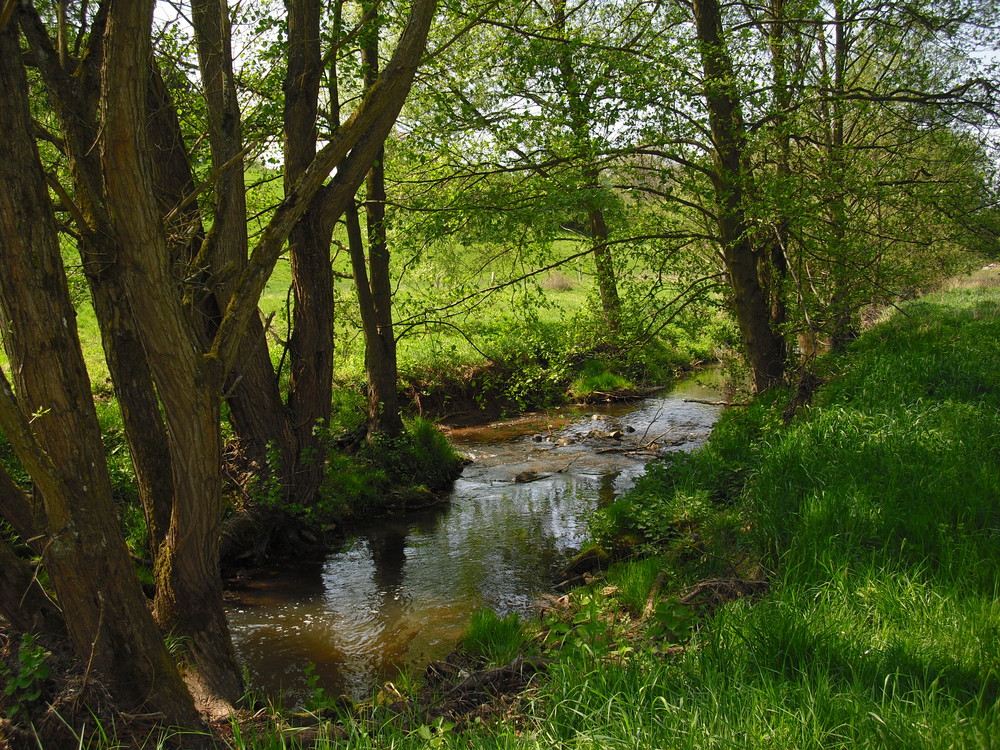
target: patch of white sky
250 36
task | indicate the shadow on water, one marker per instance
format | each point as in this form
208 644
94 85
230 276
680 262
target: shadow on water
400 594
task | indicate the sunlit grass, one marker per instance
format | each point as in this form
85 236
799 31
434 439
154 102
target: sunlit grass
496 638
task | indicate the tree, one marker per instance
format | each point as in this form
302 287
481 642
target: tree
732 172
126 198
52 426
372 278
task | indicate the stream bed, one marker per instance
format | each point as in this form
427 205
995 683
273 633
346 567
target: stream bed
402 591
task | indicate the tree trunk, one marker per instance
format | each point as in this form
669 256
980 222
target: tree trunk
375 286
189 586
256 411
22 599
380 355
840 316
311 342
776 271
74 96
750 301
604 267
84 552
579 115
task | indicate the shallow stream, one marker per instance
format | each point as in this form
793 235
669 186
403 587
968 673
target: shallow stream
400 594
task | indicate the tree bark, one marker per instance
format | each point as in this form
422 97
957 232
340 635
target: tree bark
372 279
84 552
23 601
764 346
256 411
310 348
75 95
189 586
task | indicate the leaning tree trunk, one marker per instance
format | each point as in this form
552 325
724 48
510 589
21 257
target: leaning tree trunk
74 95
61 447
764 346
189 585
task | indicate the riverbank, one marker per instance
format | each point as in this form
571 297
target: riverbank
827 583
832 582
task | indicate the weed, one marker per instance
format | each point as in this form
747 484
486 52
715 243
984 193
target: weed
24 684
496 638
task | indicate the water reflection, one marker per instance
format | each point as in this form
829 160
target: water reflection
401 593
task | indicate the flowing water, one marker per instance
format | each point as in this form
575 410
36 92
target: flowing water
400 594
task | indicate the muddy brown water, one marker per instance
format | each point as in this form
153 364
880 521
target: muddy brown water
400 594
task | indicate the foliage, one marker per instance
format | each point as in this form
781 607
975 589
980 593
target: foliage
24 683
496 638
594 377
682 492
421 456
875 512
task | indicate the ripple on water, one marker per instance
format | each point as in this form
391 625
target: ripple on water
402 592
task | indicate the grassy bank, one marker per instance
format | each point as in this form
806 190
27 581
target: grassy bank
832 582
828 583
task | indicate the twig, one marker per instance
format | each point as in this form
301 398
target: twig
716 403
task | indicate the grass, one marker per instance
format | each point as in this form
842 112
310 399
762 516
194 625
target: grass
495 638
878 516
875 518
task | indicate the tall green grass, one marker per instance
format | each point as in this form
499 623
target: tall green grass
877 514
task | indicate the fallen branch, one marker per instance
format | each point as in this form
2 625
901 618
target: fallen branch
716 403
654 594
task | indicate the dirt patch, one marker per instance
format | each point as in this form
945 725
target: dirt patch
456 694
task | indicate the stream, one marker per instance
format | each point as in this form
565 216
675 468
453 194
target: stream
400 593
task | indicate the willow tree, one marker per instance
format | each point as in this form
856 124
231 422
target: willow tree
48 417
117 188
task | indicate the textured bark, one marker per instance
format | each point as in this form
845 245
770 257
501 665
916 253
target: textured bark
17 509
380 348
310 346
750 301
75 95
373 282
256 410
22 599
189 586
84 552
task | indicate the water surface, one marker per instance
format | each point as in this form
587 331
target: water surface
400 594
